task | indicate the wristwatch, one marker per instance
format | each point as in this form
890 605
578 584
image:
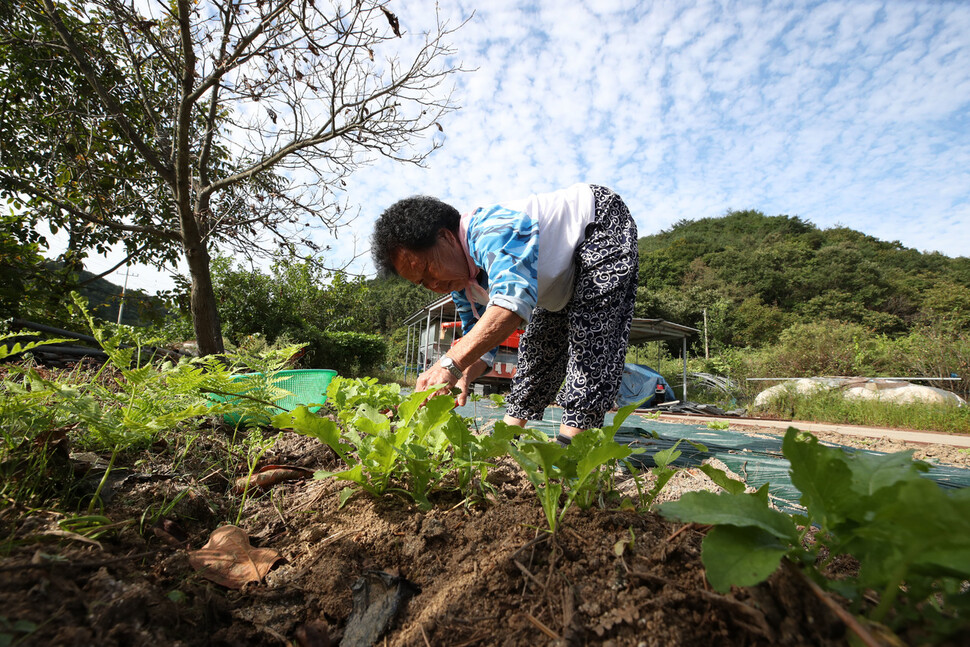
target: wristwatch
448 363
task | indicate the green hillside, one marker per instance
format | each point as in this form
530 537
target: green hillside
756 275
42 292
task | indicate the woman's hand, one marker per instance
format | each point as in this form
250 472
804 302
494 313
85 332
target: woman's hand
437 374
471 374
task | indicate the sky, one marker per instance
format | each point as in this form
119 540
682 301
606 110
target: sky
843 113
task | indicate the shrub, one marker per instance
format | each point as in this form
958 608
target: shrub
348 353
821 348
931 352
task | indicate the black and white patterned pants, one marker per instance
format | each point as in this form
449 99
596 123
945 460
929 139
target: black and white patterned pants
584 343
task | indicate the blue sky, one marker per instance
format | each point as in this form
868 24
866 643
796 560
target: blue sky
844 113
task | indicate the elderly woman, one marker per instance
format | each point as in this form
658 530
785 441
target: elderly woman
565 263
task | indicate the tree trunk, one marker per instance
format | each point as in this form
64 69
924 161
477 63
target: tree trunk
205 315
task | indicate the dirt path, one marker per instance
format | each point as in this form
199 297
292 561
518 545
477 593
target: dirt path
953 449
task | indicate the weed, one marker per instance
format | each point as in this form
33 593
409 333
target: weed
153 514
125 405
92 526
831 406
14 632
255 447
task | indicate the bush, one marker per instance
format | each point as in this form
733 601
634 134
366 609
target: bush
295 304
932 352
820 348
348 353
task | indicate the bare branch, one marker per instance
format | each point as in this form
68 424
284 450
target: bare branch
125 260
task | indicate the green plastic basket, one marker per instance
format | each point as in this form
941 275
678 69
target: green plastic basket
306 386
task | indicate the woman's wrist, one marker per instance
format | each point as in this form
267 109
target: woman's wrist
452 366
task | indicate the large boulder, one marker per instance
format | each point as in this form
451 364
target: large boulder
901 393
804 386
896 391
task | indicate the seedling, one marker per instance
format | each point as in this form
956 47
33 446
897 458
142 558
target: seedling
257 446
538 460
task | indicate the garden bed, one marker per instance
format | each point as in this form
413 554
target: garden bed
118 482
487 572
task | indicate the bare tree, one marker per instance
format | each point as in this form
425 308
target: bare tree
242 116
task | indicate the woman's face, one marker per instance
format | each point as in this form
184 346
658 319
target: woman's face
443 268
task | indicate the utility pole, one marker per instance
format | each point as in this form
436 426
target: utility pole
706 355
121 305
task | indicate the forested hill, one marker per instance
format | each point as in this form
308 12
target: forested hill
103 296
758 274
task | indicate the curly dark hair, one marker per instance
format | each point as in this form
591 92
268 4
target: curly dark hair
412 223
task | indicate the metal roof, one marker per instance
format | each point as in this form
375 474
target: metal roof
642 330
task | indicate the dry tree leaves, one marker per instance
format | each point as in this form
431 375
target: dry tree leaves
230 560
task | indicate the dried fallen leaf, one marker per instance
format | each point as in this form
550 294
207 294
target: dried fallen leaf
270 475
230 560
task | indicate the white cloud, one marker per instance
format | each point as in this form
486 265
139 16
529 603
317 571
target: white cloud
839 112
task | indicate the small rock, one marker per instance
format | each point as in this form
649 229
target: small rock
431 528
315 532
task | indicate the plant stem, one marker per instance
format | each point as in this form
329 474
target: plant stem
850 621
887 598
104 480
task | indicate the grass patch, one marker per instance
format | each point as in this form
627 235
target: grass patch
830 406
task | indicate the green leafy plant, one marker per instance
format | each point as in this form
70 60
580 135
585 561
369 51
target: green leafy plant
17 347
412 445
347 394
9 630
664 470
125 405
32 422
140 404
472 454
580 470
911 537
390 443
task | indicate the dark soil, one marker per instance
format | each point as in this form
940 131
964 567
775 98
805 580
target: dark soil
487 573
